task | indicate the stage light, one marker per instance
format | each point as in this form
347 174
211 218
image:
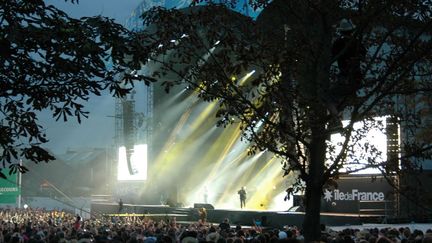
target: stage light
246 77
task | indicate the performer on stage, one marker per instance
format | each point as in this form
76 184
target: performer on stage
120 204
242 193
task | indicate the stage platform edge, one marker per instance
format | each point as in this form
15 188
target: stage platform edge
244 217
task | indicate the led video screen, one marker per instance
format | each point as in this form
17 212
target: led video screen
138 164
371 147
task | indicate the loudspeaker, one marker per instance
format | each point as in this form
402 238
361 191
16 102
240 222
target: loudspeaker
128 132
203 205
128 120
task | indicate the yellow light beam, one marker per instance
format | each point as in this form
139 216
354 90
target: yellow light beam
243 80
168 146
204 115
235 182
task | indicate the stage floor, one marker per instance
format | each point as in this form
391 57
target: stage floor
274 219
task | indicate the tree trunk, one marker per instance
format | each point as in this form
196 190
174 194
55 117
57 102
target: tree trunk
314 184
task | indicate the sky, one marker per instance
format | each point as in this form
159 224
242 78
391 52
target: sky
120 10
98 130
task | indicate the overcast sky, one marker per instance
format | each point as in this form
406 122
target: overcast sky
120 10
98 130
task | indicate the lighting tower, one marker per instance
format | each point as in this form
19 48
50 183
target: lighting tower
133 121
133 127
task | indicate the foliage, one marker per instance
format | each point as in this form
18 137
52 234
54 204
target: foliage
214 62
275 75
50 61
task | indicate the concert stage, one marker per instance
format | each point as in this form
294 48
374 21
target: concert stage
245 217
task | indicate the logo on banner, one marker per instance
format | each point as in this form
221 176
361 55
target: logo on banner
354 195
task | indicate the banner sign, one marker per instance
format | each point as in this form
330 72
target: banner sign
359 194
353 195
9 189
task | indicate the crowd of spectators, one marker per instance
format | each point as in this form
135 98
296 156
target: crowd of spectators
37 225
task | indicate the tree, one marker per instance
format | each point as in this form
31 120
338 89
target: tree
50 61
276 76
